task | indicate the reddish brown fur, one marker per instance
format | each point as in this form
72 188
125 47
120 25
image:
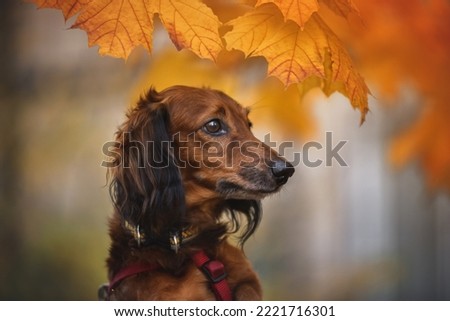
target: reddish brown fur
195 196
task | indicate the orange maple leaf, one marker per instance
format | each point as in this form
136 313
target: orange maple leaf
193 25
293 54
294 40
298 11
118 26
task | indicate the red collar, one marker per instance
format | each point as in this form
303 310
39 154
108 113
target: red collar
214 270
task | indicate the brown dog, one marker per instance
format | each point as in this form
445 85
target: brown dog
185 170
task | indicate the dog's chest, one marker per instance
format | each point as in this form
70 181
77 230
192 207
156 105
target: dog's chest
157 285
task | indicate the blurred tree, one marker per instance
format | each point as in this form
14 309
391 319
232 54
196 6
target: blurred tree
11 245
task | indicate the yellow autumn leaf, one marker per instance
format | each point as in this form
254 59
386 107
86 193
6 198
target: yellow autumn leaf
118 26
298 11
193 25
263 32
296 43
227 10
294 55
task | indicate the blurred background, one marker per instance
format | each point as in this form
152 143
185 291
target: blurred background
378 229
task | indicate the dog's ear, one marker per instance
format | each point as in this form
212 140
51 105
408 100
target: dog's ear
146 186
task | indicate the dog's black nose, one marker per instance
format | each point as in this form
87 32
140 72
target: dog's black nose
282 170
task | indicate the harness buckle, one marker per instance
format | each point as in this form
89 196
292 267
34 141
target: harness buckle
214 270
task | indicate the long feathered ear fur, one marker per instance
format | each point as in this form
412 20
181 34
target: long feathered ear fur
145 184
249 209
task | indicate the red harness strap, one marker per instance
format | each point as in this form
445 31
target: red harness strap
130 270
213 270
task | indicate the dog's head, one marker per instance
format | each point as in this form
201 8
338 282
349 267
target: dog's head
186 148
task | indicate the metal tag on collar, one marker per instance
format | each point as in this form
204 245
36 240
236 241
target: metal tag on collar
136 232
175 240
138 236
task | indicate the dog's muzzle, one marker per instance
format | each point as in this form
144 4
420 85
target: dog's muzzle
282 170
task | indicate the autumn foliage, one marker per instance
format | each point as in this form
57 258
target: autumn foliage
408 41
305 45
290 35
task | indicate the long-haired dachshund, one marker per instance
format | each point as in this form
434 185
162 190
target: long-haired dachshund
185 171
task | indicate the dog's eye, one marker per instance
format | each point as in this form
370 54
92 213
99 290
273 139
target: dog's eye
213 127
